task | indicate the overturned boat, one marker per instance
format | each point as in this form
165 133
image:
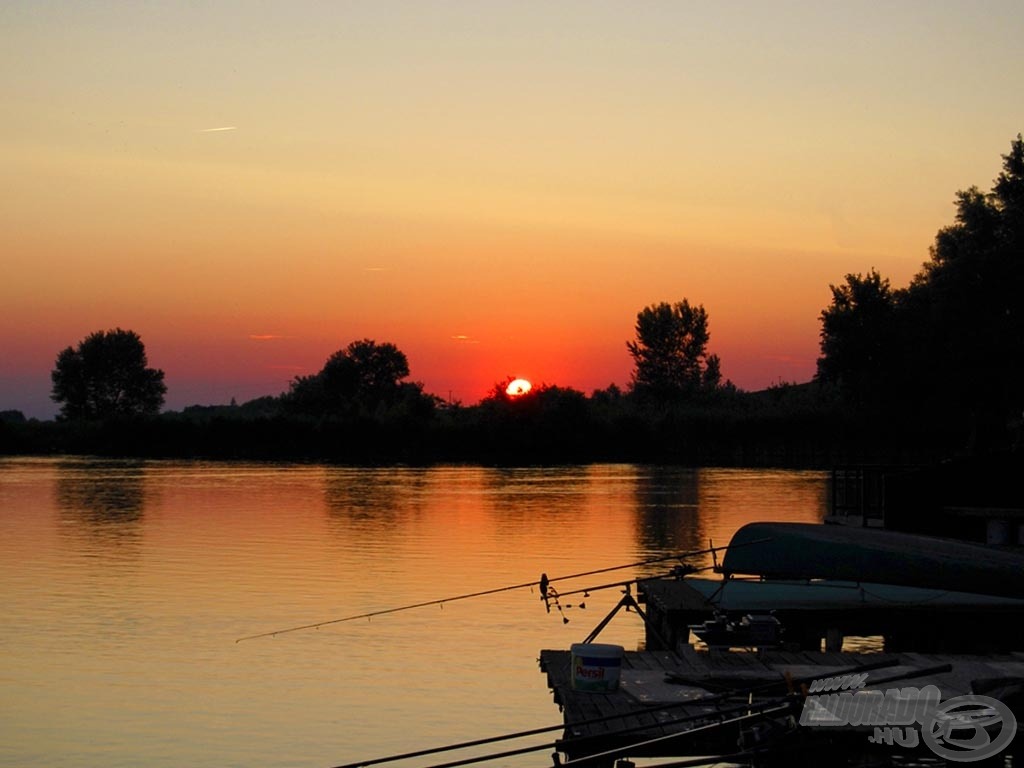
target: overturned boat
808 551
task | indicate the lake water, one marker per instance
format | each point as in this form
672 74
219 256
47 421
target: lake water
125 585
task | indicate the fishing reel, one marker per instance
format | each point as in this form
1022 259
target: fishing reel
551 597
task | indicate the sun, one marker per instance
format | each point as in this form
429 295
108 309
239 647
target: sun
518 388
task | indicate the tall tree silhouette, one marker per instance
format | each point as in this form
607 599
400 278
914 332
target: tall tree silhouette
107 375
670 351
967 305
859 342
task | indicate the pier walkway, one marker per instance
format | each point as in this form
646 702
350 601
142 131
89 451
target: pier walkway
659 691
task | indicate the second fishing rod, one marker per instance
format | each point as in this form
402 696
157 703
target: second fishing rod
542 584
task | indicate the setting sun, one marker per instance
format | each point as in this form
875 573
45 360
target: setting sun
518 388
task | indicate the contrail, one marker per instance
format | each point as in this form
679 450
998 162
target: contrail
215 130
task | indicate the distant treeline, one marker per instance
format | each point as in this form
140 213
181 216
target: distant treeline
804 425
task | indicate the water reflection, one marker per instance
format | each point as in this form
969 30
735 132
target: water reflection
107 498
524 498
371 507
730 498
668 518
367 497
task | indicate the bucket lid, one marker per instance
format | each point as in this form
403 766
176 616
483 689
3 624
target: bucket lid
596 649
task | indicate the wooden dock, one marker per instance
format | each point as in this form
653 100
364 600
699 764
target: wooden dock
660 692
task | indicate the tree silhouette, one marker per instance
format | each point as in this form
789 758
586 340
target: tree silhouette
361 378
670 351
859 344
106 375
368 370
966 304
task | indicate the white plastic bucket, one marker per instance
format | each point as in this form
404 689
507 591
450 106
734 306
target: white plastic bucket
596 667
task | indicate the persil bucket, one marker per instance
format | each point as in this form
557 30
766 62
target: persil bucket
596 667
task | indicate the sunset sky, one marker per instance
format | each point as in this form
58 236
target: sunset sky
496 188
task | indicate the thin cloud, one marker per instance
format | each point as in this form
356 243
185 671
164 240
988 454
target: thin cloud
791 359
218 130
463 339
266 336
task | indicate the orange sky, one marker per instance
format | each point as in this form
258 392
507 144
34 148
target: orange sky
496 188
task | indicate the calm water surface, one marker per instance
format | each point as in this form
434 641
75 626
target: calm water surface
125 585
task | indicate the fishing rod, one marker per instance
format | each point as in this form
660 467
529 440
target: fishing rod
561 745
659 707
598 757
543 583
